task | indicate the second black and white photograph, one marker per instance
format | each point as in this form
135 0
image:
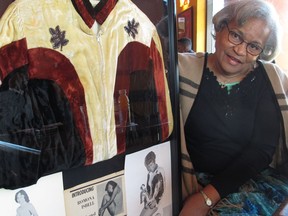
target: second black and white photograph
148 174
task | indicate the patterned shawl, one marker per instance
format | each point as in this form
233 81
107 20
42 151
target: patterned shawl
191 68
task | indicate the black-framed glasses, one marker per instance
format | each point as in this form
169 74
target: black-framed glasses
236 39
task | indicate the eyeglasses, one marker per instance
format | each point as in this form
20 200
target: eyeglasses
236 39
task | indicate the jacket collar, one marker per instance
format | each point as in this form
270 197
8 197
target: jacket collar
99 13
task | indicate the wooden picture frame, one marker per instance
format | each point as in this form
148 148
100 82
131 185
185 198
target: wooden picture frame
184 23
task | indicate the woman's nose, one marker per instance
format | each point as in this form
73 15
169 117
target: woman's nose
240 49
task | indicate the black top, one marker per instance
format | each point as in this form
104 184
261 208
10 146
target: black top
233 136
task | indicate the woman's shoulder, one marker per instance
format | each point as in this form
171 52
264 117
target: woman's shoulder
273 71
191 63
188 57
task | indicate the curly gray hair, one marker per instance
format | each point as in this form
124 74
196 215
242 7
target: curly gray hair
242 11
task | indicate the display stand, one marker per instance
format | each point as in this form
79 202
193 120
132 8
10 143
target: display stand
92 178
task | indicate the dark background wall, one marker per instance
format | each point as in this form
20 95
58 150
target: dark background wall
3 5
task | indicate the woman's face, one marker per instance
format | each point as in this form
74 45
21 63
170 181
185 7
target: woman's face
151 166
233 59
20 198
110 188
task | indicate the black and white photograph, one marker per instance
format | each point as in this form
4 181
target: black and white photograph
148 174
45 198
26 208
110 198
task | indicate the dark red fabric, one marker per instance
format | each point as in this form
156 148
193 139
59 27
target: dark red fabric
159 78
87 17
145 60
13 56
49 64
105 11
90 14
52 65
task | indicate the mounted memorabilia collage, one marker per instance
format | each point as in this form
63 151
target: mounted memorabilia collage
87 103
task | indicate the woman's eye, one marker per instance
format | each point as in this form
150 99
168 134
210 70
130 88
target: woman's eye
235 35
254 47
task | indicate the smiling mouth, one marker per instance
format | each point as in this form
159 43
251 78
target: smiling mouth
234 60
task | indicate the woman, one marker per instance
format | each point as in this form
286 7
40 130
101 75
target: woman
112 200
232 120
155 186
25 208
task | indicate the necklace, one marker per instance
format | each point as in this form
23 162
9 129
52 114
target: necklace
227 84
